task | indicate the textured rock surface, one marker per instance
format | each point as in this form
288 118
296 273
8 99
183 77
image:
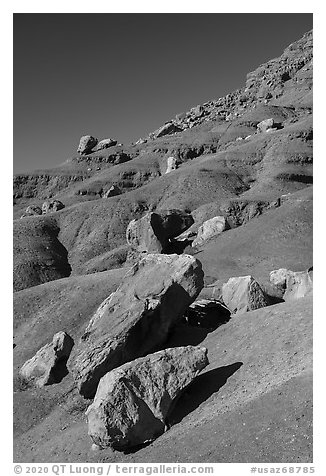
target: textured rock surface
52 206
152 232
168 128
86 144
279 277
213 227
242 294
105 144
141 236
239 211
136 318
48 366
32 210
133 401
298 285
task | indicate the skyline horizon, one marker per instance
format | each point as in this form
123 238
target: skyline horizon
54 108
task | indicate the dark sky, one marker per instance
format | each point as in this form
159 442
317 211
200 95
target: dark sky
124 75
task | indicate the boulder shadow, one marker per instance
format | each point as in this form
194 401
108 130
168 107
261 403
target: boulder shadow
183 335
59 371
203 387
273 299
197 324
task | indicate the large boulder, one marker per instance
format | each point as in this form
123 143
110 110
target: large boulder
152 232
138 317
48 366
86 144
210 228
50 206
133 401
242 294
298 285
105 144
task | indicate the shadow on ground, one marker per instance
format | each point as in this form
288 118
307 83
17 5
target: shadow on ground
203 387
198 392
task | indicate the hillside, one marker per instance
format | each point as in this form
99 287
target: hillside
245 158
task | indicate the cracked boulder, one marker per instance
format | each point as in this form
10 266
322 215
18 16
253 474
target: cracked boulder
153 232
242 294
132 402
137 317
48 366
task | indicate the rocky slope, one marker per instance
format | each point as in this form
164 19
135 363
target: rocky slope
245 158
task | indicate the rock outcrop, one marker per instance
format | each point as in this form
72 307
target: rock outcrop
274 80
48 366
152 232
210 228
86 144
239 212
242 294
136 318
52 206
132 402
